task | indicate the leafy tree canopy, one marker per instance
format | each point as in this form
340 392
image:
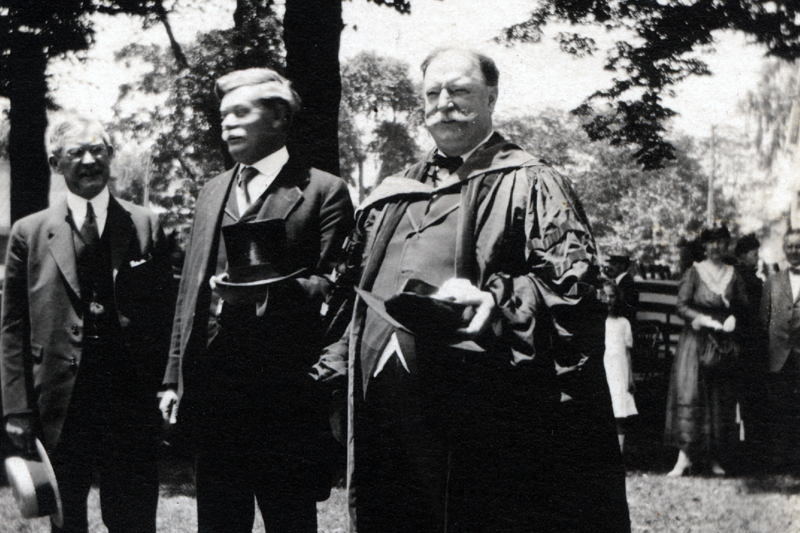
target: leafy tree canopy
657 54
31 33
188 149
379 97
644 212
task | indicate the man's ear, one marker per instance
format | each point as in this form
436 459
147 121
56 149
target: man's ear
53 160
493 92
282 117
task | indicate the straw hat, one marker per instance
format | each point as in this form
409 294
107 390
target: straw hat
34 485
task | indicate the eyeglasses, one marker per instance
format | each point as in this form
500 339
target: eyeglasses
97 151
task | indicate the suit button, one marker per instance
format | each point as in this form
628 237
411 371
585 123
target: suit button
75 329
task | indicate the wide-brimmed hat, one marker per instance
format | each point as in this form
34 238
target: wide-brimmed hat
34 485
417 311
257 258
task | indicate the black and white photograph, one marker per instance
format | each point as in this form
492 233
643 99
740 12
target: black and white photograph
399 266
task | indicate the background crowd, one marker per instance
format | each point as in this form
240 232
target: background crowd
732 396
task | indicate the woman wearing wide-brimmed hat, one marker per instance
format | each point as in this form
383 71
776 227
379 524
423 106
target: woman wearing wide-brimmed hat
700 404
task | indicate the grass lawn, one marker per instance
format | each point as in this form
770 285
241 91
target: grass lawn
741 503
657 503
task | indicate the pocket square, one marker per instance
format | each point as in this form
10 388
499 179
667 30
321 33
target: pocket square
136 263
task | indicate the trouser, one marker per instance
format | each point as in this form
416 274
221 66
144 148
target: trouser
463 445
128 476
229 475
256 438
784 425
110 432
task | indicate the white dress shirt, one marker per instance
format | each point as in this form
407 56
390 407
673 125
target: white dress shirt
268 169
77 207
794 280
442 174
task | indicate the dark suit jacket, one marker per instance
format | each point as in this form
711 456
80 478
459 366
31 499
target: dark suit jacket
42 321
630 297
776 316
319 215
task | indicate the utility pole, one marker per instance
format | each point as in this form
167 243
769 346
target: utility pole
710 218
146 194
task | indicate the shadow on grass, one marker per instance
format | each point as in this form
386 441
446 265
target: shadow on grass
176 473
775 484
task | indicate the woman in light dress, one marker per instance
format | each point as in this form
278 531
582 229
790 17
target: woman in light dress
617 359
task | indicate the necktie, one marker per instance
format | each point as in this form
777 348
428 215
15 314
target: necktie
89 231
245 176
450 163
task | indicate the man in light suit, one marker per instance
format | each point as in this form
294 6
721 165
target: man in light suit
258 421
85 302
780 313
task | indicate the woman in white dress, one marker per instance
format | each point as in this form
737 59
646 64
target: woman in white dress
617 359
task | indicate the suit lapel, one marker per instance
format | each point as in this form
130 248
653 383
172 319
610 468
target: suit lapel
62 245
208 215
283 194
119 230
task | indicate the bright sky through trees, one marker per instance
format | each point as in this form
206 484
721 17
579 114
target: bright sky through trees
533 76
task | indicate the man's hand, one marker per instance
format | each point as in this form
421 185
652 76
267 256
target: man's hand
21 432
461 291
169 406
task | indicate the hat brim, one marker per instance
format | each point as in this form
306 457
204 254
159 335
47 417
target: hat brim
422 317
26 478
243 292
58 516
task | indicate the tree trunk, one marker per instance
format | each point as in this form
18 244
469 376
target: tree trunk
30 172
311 33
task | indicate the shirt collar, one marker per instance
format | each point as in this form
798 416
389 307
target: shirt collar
466 155
273 163
619 278
77 204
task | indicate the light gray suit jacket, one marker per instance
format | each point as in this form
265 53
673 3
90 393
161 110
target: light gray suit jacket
42 316
776 315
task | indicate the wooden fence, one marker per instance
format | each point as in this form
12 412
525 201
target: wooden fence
657 328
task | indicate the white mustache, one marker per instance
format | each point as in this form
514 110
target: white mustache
453 115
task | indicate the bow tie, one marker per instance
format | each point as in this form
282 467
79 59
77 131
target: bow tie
450 163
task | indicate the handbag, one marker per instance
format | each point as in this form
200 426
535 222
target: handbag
720 351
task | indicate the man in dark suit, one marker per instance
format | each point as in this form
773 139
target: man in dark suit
85 300
618 271
780 314
257 418
450 426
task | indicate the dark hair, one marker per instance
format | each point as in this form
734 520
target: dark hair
791 231
623 260
746 243
489 70
717 233
616 308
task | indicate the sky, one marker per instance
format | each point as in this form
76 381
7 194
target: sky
533 76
